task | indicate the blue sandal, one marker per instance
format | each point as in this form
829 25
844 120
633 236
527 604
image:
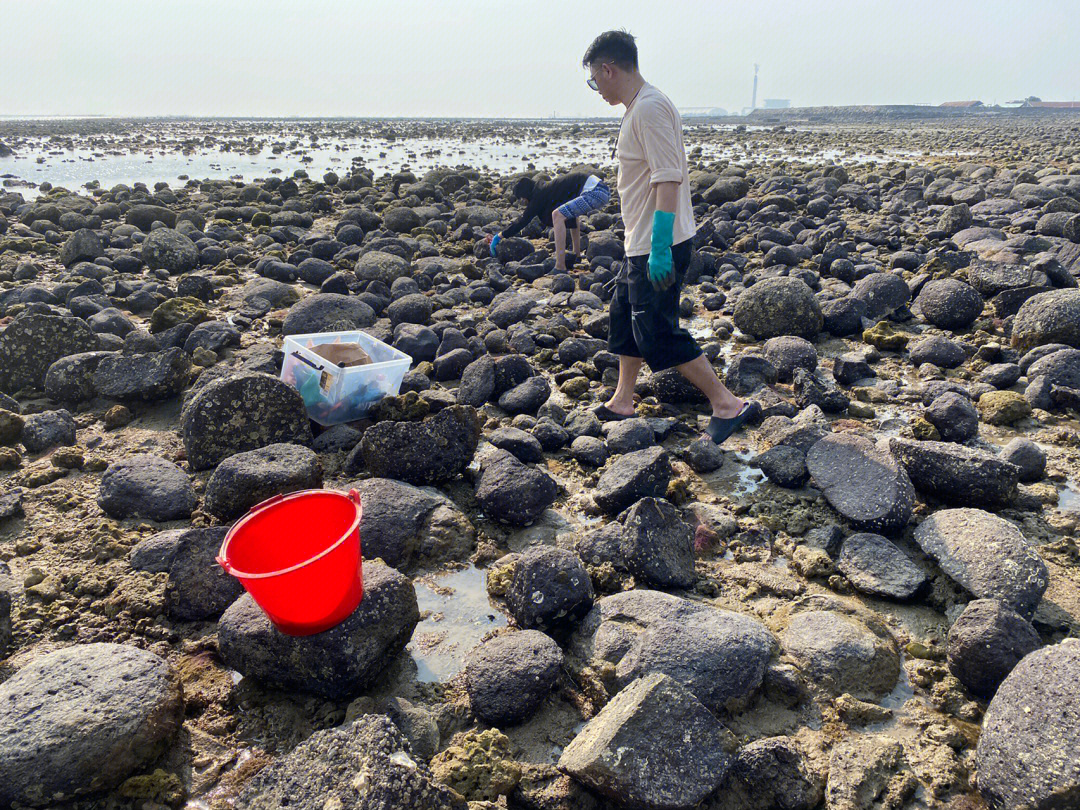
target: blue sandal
719 429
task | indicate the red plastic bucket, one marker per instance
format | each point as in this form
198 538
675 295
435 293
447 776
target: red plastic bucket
298 555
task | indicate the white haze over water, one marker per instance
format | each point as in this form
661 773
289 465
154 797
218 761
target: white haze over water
509 58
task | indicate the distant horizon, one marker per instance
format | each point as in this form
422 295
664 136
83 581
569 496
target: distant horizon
512 60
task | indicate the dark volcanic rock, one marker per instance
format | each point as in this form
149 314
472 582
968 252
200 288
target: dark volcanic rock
986 642
862 481
338 663
148 377
199 588
877 567
778 306
642 474
33 342
656 545
957 474
512 492
146 486
509 676
550 589
431 451
245 479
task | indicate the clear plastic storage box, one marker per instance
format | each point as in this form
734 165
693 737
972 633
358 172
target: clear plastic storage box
334 394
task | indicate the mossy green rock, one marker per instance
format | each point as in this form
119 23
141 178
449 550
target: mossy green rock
1003 407
478 766
882 336
176 311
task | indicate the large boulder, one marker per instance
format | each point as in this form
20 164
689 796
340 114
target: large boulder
550 589
511 492
632 476
338 663
71 379
862 481
82 246
198 588
402 524
881 293
238 413
144 215
431 451
147 377
778 306
955 473
166 249
986 642
327 312
48 429
33 342
509 676
1029 752
986 555
840 653
367 764
246 479
949 303
377 265
1049 317
656 545
877 567
82 719
769 773
146 486
652 746
720 656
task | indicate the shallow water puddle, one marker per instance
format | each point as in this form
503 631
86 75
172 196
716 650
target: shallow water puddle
1069 497
457 614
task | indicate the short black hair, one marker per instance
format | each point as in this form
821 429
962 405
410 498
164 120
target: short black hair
523 188
612 46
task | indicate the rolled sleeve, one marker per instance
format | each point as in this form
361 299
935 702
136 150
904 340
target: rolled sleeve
663 152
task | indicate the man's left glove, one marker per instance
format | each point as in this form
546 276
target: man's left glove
495 243
661 272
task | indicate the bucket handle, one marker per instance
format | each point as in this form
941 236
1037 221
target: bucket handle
303 359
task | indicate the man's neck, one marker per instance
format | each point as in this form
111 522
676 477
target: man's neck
629 92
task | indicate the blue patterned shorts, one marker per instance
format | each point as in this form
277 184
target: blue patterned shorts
592 200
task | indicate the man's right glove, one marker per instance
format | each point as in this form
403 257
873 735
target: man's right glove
495 243
661 272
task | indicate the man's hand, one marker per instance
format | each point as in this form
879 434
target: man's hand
495 243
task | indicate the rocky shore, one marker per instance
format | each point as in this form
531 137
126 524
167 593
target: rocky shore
868 599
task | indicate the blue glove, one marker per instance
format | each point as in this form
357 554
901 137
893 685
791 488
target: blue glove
495 242
661 272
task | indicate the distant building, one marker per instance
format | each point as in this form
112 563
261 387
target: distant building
962 104
1054 105
703 112
777 103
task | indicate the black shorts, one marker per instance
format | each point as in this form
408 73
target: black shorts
644 322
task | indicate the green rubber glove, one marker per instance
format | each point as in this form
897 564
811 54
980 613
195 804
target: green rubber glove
661 272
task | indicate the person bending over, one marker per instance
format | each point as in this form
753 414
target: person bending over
558 203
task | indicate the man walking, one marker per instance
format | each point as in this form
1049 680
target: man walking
654 190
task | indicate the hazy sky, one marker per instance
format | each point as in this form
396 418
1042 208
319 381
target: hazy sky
508 58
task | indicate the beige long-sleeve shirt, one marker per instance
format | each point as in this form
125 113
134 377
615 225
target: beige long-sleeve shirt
650 150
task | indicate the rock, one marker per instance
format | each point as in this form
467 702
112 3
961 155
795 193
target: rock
9 592
629 435
432 451
526 397
1049 317
166 249
936 349
338 663
478 765
1003 407
42 431
704 455
749 372
954 417
778 306
589 451
642 474
785 466
1060 367
1027 456
843 316
720 656
245 479
862 481
787 353
81 719
867 771
33 342
327 312
143 216
884 337
378 265
176 311
239 413
198 588
71 379
949 303
146 486
881 293
956 474
363 765
1028 753
841 654
653 746
877 567
403 524
82 246
550 589
986 642
509 676
400 219
727 189
525 447
477 382
155 554
770 773
986 555
511 492
146 377
213 336
809 389
657 547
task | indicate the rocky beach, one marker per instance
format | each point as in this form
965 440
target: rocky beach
868 599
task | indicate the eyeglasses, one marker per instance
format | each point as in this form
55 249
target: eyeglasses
591 81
